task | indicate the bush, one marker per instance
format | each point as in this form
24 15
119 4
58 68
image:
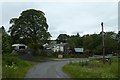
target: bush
75 56
86 52
9 59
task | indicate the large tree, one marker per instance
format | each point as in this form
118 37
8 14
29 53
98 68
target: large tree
87 43
110 42
62 38
75 41
31 27
6 41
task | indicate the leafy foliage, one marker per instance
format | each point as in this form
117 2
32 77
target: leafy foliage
62 38
6 42
118 39
30 27
92 43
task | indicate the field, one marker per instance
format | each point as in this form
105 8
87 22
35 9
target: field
92 69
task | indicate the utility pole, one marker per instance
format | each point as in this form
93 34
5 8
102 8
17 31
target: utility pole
118 51
103 44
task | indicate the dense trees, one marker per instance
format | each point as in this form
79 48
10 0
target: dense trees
118 39
92 43
75 41
110 42
30 27
62 38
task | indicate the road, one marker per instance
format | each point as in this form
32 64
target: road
51 69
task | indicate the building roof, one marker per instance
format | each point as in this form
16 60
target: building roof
61 44
18 45
78 49
52 45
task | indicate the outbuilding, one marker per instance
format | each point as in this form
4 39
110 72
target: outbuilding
78 50
19 46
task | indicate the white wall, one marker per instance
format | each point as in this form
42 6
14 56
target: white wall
58 48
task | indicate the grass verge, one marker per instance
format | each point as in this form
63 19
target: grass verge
92 69
14 67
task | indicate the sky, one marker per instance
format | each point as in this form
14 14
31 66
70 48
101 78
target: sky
67 17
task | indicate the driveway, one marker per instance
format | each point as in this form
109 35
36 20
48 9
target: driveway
51 69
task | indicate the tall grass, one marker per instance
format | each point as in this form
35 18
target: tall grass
93 69
14 67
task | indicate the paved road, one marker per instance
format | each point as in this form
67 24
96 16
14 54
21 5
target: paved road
51 69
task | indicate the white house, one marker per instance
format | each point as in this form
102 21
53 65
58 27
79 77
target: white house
56 47
19 46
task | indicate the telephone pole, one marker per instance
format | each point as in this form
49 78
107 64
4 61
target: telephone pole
103 44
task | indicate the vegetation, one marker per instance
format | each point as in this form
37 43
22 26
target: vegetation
69 55
92 43
13 67
75 41
6 42
62 38
55 55
92 69
118 38
30 28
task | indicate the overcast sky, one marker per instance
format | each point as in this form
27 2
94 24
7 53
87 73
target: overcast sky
67 17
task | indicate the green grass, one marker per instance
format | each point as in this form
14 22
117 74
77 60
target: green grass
92 69
14 67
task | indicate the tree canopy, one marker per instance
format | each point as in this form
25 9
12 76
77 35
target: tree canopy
62 38
30 27
93 42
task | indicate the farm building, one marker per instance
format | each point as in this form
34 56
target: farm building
19 46
78 50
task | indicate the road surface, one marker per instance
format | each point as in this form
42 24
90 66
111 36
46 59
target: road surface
51 69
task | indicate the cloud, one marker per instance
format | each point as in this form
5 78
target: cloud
69 18
59 1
